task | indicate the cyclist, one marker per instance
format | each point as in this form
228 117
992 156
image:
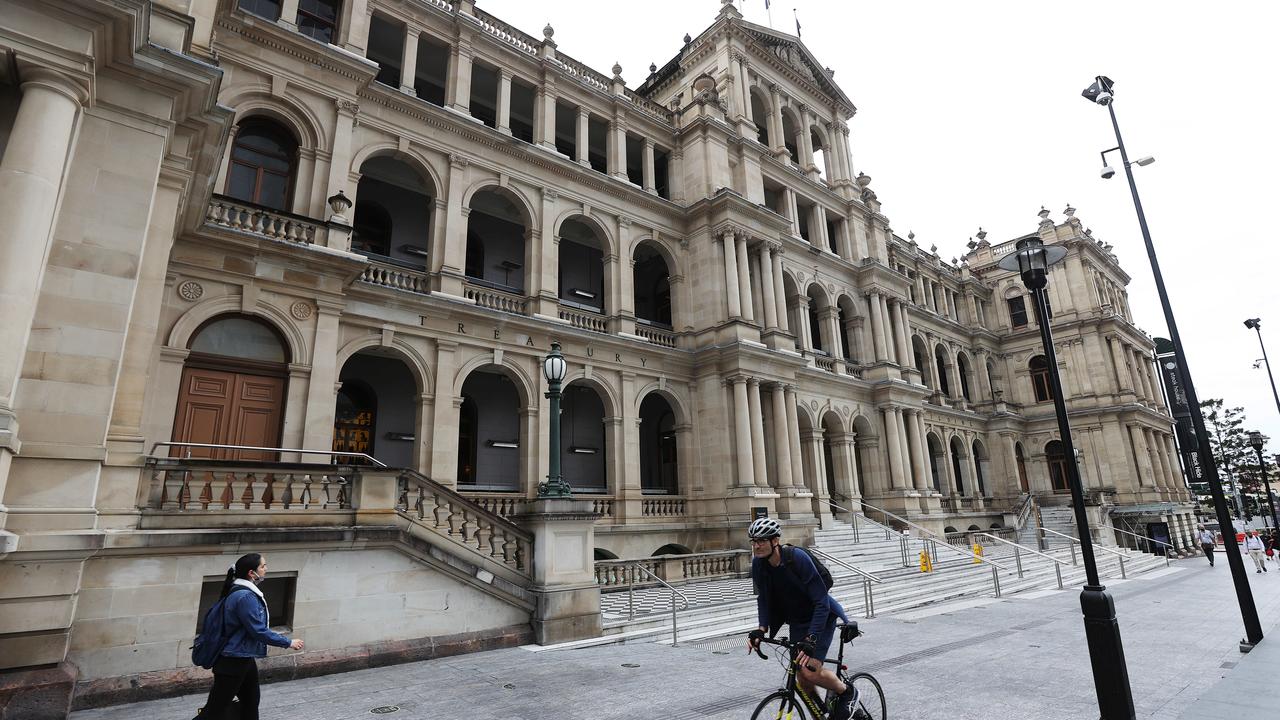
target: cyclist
792 593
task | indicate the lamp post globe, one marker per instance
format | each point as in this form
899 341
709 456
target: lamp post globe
1102 92
554 369
1032 260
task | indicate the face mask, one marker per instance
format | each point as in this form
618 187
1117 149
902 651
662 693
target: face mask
255 578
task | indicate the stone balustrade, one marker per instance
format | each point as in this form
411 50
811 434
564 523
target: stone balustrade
584 319
613 575
228 213
656 335
396 278
665 506
453 516
824 363
229 486
495 299
500 504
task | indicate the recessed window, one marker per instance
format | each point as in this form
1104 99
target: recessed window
269 9
278 589
1017 312
1039 368
262 164
318 19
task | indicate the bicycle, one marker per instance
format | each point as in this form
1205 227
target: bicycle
791 701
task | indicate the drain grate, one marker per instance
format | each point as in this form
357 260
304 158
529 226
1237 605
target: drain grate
385 709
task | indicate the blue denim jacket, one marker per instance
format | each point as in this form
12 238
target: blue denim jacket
247 631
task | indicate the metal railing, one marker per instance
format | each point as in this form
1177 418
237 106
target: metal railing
868 600
1075 541
1017 556
213 446
932 540
1144 538
631 598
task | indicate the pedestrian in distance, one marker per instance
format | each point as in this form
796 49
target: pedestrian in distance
1254 545
1206 543
246 633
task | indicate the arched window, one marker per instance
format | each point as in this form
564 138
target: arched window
1039 368
1057 460
263 161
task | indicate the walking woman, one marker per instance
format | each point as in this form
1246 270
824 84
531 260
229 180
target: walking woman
248 632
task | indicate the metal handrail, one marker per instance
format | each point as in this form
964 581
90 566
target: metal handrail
1147 539
152 455
868 601
631 598
1024 513
1096 546
929 534
1017 556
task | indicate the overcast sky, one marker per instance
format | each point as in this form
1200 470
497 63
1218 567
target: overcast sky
969 114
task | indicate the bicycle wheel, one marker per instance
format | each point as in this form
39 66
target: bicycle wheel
870 697
779 706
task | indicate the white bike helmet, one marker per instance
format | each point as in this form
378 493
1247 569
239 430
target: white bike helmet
763 528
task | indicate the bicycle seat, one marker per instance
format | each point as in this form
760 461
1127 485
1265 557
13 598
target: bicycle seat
848 631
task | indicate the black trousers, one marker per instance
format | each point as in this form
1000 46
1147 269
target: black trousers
233 677
1208 551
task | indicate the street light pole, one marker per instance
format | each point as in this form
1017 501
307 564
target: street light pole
554 369
1256 324
1101 629
1257 440
1101 92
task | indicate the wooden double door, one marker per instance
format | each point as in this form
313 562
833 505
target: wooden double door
238 406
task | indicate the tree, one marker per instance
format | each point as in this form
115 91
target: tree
1228 440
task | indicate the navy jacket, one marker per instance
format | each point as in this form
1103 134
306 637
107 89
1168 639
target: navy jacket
246 628
792 594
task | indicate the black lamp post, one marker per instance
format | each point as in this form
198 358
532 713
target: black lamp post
1257 440
1032 260
1256 324
554 369
1102 92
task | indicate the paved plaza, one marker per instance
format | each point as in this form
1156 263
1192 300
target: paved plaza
1018 657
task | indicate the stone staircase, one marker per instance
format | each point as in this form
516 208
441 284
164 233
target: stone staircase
722 607
1060 519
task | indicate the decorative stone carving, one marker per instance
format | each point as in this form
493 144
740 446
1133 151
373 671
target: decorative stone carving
301 310
794 60
347 106
191 291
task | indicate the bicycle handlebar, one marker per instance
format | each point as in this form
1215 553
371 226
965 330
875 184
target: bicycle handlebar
780 642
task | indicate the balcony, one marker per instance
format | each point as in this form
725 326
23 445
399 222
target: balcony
488 296
583 318
390 274
655 334
256 220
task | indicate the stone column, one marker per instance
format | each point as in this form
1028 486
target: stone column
453 263
775 120
893 434
891 331
831 319
409 65
744 280
915 442
31 171
322 393
459 95
583 137
646 169
768 293
353 27
877 327
340 163
805 333
781 437
1122 371
742 432
793 210
617 150
980 376
732 293
759 467
504 101
289 14
805 145
546 112
818 225
949 471
793 435
811 444
775 255
904 336
842 452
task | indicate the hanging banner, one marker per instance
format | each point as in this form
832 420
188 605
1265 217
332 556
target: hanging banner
1175 396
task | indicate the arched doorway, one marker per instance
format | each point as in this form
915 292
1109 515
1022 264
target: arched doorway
264 160
489 435
377 411
936 458
582 268
233 390
980 464
652 288
1056 457
582 439
958 456
659 474
497 233
393 212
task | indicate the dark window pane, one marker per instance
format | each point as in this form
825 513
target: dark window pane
318 18
1017 312
240 184
269 9
273 191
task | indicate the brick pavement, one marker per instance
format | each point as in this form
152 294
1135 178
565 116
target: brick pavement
1022 656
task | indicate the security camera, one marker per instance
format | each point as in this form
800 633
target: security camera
1103 99
1107 172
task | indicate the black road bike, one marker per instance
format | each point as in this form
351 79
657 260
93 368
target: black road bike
791 702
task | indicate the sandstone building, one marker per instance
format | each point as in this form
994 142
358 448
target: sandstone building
308 227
